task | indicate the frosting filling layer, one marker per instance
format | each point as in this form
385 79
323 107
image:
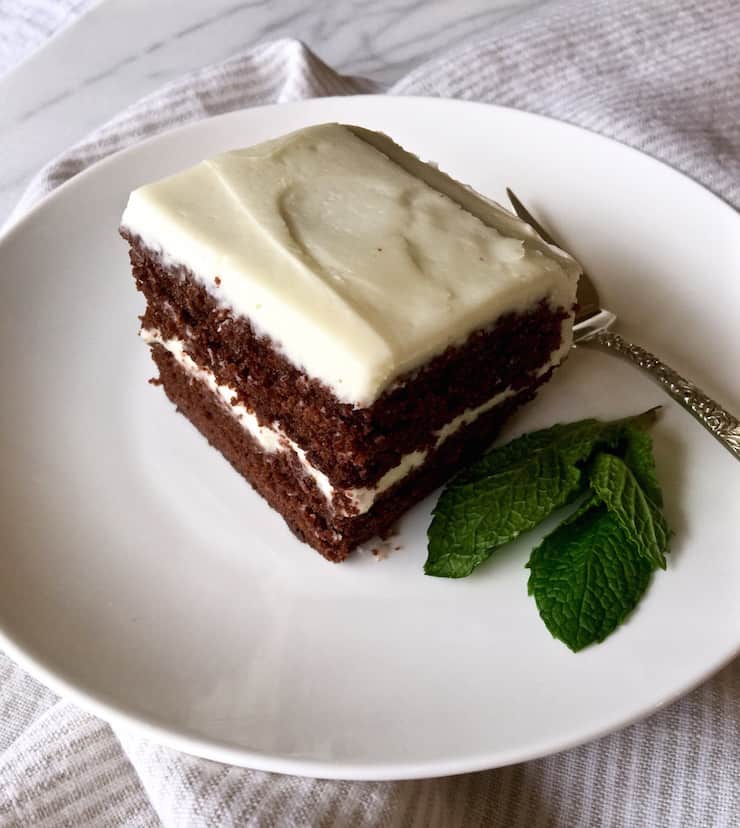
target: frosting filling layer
360 262
273 439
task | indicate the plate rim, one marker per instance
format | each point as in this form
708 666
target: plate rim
150 726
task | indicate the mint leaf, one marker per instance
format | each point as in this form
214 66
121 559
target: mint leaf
640 519
510 490
567 436
590 573
586 577
639 457
472 520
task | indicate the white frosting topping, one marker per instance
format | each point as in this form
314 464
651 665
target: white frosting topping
357 268
272 438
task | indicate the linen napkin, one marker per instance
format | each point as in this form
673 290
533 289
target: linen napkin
663 76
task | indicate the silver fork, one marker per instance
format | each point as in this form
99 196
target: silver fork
591 330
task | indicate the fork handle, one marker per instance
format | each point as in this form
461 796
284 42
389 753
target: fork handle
717 421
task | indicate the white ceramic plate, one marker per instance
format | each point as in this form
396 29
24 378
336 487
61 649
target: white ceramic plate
142 578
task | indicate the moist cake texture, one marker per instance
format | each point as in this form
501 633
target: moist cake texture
344 323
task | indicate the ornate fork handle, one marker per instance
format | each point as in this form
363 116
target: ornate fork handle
718 422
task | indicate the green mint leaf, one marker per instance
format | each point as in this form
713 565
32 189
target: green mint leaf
586 577
523 448
645 420
639 457
471 521
511 489
618 488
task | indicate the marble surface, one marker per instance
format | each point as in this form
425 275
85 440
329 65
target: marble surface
123 49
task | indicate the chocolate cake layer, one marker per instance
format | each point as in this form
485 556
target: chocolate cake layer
281 478
354 447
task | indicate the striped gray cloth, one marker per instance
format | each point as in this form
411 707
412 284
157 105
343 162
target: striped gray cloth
661 75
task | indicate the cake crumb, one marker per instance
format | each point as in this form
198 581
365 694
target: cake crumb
155 381
217 280
381 550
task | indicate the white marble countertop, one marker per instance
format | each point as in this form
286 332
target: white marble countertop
122 49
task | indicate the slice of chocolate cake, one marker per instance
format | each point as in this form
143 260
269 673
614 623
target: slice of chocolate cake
346 324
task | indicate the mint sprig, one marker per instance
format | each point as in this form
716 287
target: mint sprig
512 489
590 572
